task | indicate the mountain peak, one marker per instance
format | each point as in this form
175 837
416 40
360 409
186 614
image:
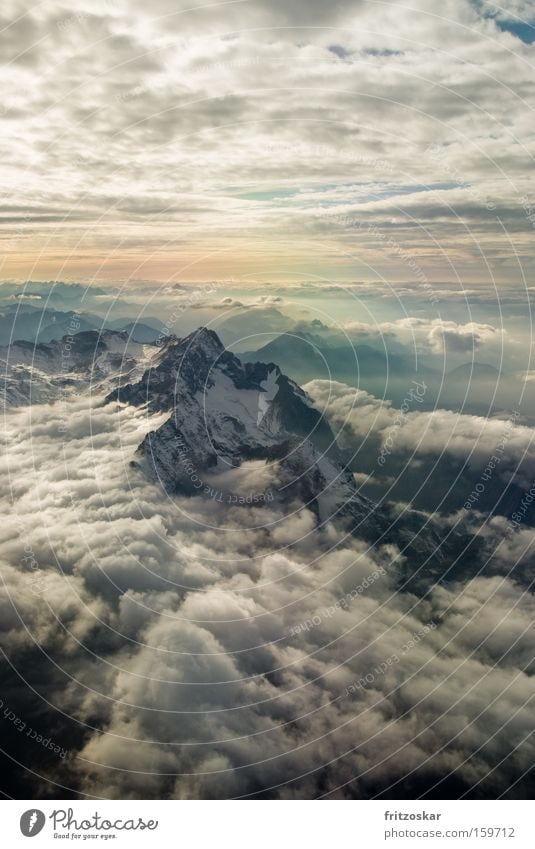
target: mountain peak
205 338
201 341
182 366
224 414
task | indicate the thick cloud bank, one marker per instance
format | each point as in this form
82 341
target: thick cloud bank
190 657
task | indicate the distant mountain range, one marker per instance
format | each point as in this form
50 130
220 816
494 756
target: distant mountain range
23 321
305 356
304 350
33 373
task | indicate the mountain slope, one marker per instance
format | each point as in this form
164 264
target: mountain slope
225 414
33 373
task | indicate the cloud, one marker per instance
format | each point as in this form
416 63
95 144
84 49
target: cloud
437 335
447 336
200 659
429 433
141 134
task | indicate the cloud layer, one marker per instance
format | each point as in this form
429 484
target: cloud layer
194 662
348 140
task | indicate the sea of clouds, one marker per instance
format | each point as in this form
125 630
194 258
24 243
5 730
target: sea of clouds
194 657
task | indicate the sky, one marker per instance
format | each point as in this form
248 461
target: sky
251 139
357 175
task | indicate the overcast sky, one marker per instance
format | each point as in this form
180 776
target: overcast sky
228 140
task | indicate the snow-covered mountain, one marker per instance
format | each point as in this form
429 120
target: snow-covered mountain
239 433
230 421
225 416
87 361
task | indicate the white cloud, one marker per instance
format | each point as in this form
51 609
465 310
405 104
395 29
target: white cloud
447 336
216 662
428 432
149 118
440 336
